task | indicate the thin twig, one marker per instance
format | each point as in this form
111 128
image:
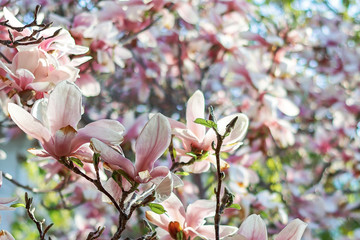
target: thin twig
96 234
26 187
220 202
69 164
27 40
39 224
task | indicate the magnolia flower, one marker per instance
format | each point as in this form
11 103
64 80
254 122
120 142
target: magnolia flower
40 67
190 223
254 228
34 69
54 123
195 138
152 142
5 235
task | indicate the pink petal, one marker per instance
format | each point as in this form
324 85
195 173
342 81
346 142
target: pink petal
195 108
188 138
5 235
28 60
208 231
166 185
174 209
237 134
152 142
188 13
223 164
160 171
88 85
105 130
198 211
12 20
7 200
293 231
160 220
62 141
39 152
113 188
111 156
40 86
28 123
198 167
253 228
237 237
176 124
287 107
64 107
25 77
84 153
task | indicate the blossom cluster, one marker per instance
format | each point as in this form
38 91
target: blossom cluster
151 105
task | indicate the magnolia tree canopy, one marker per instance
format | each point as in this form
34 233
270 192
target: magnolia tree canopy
182 119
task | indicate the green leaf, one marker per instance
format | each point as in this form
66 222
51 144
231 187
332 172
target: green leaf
235 205
77 161
116 175
16 205
191 154
157 208
180 236
182 173
206 123
96 158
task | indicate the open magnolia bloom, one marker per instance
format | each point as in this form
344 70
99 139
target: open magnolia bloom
175 221
40 67
152 142
254 228
197 140
54 123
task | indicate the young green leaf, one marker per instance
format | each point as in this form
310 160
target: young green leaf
191 154
157 208
77 161
182 173
96 158
16 205
235 205
206 123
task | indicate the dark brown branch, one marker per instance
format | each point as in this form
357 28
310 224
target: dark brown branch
220 202
69 164
96 234
39 224
27 40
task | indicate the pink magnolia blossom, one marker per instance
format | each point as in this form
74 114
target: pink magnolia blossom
152 142
34 69
195 138
190 222
54 123
5 235
254 228
41 66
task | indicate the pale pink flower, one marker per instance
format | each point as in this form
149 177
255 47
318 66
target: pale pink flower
196 139
5 235
191 222
151 144
54 123
35 69
254 228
